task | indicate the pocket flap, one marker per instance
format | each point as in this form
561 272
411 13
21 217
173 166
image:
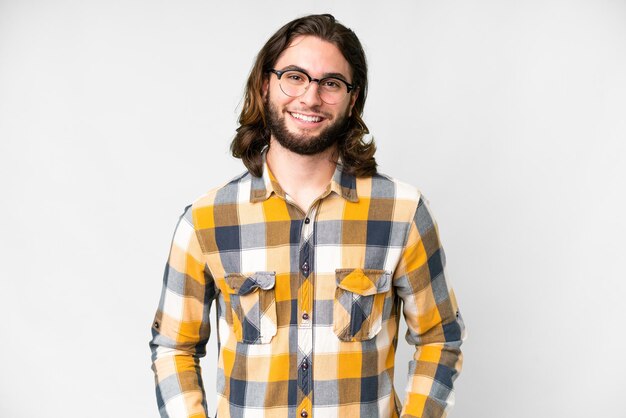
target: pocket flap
363 281
242 284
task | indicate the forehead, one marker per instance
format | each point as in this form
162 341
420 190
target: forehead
314 55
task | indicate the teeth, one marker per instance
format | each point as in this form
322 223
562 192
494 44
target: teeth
306 118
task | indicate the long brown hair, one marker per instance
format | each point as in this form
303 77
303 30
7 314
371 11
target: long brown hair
253 134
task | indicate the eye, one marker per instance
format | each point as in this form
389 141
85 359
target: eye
295 77
332 84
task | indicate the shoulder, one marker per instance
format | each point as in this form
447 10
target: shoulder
385 194
231 192
410 204
382 186
414 201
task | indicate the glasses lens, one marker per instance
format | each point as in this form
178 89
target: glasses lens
332 90
294 83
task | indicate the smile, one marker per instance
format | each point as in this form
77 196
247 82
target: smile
306 118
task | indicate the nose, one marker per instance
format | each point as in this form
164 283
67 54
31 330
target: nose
311 96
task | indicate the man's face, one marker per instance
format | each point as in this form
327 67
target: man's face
305 124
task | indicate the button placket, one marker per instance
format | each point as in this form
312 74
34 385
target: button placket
305 307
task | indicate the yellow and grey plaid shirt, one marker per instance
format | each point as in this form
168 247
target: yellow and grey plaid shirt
307 303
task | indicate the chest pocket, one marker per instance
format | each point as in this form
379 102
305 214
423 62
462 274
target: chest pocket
359 300
252 306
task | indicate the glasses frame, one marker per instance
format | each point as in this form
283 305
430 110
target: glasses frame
279 74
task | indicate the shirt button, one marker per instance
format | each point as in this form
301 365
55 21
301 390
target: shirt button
305 365
304 413
305 316
307 221
305 266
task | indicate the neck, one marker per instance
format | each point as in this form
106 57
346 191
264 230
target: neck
303 177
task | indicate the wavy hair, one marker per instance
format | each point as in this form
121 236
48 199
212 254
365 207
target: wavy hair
253 134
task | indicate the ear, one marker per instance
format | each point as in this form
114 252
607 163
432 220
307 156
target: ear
353 97
264 88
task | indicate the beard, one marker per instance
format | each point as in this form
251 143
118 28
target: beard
303 144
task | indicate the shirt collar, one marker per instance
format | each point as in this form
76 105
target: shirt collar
342 183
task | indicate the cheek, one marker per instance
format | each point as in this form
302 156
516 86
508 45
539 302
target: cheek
277 99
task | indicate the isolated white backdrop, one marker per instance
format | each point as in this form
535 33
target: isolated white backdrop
510 116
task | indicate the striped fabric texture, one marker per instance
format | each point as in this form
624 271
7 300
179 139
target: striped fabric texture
307 304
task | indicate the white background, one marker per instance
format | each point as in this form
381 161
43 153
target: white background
508 115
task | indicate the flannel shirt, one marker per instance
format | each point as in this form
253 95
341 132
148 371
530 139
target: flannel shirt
307 304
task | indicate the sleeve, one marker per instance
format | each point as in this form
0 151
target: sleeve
434 323
181 329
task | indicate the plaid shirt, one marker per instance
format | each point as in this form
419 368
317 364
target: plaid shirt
308 304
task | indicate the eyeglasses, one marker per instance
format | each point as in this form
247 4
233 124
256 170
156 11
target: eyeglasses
295 83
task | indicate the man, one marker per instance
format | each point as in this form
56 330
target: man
310 257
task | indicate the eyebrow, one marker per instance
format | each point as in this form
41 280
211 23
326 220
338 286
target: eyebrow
325 75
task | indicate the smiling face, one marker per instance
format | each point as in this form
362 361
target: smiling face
305 124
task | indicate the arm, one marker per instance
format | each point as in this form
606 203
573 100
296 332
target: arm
180 329
434 323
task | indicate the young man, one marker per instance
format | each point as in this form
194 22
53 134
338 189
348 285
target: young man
311 257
